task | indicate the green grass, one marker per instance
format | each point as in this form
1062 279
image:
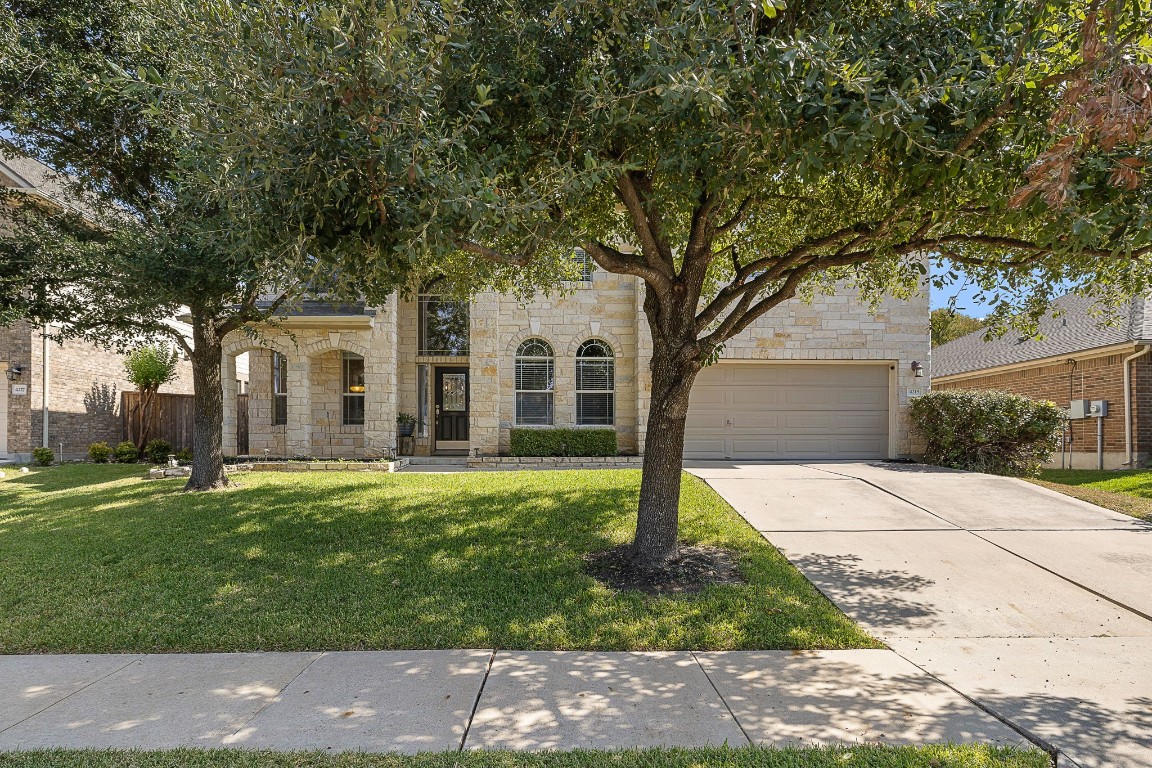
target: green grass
94 559
944 756
1129 491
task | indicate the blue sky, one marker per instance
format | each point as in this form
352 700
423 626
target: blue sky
966 302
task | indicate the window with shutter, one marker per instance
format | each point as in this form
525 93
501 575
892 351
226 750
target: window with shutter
535 368
595 383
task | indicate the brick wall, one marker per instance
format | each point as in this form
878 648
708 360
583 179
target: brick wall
1097 378
85 382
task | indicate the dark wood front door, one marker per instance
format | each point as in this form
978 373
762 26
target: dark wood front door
451 409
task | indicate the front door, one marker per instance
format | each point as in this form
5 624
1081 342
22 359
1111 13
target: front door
451 409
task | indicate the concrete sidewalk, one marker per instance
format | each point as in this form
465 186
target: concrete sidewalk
1031 603
411 701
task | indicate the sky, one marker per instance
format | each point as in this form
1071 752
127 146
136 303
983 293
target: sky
966 302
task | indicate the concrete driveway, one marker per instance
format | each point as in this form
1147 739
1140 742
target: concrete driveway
1036 606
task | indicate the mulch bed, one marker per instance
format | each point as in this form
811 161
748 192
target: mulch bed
693 568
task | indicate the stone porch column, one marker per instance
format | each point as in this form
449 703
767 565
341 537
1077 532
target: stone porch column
228 380
298 432
484 374
381 381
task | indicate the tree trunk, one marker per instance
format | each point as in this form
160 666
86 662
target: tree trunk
208 420
658 518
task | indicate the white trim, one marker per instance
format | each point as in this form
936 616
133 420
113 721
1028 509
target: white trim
362 322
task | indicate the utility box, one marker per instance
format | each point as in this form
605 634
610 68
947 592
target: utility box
1088 409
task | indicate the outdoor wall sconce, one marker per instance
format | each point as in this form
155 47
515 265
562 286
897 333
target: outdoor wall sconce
917 369
13 372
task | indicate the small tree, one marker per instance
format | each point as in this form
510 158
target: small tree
149 368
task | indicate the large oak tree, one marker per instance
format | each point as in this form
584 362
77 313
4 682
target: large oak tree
749 153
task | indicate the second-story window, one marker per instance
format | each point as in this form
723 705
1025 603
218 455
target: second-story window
443 326
353 390
584 264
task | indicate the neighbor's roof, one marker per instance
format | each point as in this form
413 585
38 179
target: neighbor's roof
1076 324
31 177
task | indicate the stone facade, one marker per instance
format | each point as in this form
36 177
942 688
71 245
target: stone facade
1086 376
830 328
85 383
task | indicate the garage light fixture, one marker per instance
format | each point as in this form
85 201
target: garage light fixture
13 372
917 369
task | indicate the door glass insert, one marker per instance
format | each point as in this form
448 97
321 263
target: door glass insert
455 391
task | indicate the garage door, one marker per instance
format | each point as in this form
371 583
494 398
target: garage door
775 411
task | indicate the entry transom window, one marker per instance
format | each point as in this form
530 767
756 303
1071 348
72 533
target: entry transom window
353 390
443 326
595 383
535 381
279 389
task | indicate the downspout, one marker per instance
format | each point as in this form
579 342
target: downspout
1128 409
44 386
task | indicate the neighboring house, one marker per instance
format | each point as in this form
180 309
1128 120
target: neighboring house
822 381
1082 353
56 395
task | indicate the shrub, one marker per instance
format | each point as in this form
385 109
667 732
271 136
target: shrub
184 456
986 431
564 442
100 452
43 456
157 451
126 453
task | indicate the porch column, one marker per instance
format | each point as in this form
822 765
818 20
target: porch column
228 380
298 431
485 349
380 382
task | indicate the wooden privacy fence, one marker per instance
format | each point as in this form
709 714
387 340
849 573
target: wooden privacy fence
172 420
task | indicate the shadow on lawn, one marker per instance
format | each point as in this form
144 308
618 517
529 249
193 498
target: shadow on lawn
346 562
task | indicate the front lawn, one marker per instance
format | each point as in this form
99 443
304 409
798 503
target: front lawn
1128 491
94 559
934 756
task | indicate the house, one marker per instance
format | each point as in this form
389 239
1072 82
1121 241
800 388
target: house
1083 351
62 396
826 380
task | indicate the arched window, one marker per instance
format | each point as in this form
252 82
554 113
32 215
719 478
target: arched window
444 325
595 383
535 379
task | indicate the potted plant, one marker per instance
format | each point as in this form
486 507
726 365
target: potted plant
405 424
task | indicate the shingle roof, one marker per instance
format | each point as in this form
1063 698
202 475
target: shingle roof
1081 325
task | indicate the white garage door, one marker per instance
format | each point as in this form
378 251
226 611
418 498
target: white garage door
778 411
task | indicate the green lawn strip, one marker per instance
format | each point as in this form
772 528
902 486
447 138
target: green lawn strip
1128 492
97 560
932 756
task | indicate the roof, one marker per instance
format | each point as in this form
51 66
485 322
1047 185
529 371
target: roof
31 177
1075 324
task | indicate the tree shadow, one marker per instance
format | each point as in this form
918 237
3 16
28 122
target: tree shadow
365 560
884 598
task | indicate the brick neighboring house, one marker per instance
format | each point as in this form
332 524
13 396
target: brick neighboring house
1084 353
76 384
826 380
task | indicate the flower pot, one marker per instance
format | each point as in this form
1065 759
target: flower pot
406 430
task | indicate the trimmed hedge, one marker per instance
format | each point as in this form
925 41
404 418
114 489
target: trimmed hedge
986 430
564 442
126 453
43 456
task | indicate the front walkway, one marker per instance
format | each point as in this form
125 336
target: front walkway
410 701
1035 605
